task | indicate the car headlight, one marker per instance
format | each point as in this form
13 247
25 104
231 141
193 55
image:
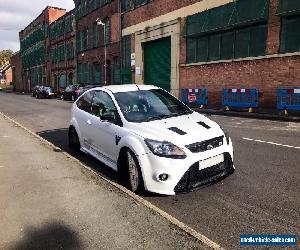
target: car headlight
226 135
165 149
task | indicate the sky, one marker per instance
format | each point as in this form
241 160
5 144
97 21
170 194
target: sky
15 15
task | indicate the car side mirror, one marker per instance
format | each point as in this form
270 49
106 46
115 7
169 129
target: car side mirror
108 117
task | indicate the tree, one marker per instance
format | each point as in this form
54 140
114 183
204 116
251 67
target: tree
5 56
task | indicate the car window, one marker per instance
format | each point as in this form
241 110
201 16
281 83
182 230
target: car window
147 105
85 101
102 103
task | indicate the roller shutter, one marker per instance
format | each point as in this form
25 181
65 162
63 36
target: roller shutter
157 59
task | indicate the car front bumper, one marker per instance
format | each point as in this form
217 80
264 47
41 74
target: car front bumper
185 175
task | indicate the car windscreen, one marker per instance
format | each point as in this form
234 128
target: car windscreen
148 105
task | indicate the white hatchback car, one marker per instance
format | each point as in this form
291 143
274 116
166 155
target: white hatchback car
151 138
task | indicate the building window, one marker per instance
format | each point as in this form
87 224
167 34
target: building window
138 3
69 24
235 30
290 34
96 74
94 5
126 60
70 51
78 41
289 11
104 2
116 70
86 73
84 39
83 73
127 5
61 53
79 73
246 42
95 35
107 31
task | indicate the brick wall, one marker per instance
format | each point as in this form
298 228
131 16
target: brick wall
153 9
96 55
15 62
265 74
8 76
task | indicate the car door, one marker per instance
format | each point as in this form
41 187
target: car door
104 132
84 119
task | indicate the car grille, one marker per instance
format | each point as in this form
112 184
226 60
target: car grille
195 178
206 145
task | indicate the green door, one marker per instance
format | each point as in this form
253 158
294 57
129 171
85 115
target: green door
157 63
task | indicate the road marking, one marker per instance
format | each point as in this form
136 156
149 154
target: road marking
4 136
271 143
1 166
189 230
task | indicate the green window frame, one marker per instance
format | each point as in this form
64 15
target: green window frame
70 51
107 31
233 44
288 7
86 73
84 39
126 5
79 73
94 4
290 34
78 41
116 70
95 35
126 76
96 74
234 30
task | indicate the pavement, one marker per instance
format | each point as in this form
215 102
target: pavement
48 201
261 197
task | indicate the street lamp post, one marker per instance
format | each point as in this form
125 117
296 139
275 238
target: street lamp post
99 22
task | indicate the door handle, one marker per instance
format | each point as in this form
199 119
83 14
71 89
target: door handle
89 122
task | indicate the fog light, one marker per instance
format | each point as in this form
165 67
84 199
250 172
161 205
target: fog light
163 177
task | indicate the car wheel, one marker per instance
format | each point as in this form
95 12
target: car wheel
62 97
135 178
36 96
74 142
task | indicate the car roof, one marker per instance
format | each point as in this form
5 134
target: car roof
126 87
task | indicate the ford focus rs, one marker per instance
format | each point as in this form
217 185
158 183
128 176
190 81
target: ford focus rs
151 138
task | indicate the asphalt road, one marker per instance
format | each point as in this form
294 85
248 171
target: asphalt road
261 197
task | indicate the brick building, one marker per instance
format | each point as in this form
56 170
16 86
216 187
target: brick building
212 44
16 64
62 51
98 31
35 47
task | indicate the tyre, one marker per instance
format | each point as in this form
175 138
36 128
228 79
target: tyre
62 97
135 178
36 96
74 142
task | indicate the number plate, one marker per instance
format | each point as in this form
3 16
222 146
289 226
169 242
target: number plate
211 161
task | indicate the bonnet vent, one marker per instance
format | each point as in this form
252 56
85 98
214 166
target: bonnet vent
177 130
204 125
